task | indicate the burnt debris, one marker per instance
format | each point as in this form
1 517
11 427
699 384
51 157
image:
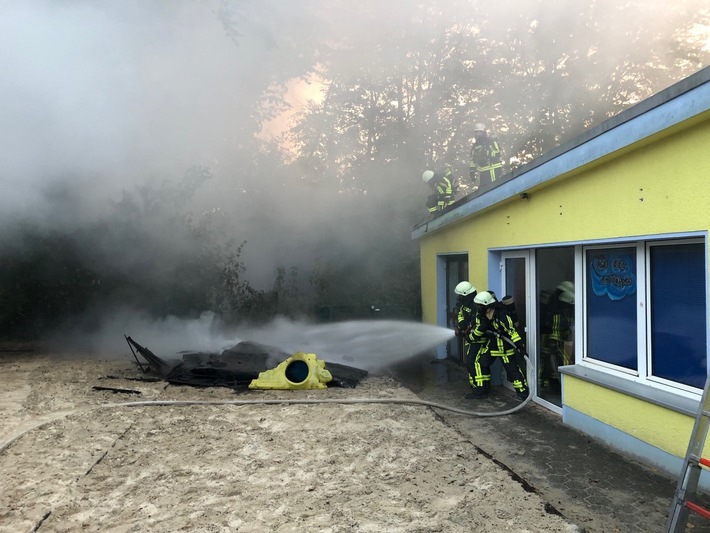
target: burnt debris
235 367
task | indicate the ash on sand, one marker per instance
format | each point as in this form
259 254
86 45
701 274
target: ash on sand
77 460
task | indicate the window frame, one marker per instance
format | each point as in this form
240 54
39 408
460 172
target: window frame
649 352
585 272
643 313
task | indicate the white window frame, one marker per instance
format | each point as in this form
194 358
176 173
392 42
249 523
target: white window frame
643 328
655 379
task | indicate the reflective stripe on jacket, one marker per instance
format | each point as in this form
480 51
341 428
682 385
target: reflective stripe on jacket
444 192
486 156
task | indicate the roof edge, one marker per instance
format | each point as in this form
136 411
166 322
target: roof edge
545 168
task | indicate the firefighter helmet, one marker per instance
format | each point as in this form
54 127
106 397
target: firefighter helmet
567 297
566 286
485 299
479 127
428 174
464 289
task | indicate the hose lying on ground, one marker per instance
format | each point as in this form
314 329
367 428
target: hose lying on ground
345 401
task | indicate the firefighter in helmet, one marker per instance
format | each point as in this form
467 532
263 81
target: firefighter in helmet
465 318
560 321
493 332
486 157
443 194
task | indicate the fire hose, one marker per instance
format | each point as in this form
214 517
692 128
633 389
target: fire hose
305 401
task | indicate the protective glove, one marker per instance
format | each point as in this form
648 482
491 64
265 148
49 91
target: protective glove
520 347
492 334
463 331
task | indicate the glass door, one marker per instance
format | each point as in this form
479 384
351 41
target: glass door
516 273
555 292
456 271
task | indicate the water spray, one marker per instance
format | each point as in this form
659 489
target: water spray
383 331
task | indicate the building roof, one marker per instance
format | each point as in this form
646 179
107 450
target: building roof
678 103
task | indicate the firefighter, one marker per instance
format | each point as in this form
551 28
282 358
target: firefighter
560 321
486 157
492 325
443 195
465 318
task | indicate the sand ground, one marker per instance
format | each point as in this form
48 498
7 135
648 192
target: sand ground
74 458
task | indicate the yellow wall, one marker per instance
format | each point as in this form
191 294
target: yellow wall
658 187
655 425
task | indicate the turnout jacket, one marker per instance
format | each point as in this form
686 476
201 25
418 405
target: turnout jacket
560 319
443 194
488 333
465 318
486 155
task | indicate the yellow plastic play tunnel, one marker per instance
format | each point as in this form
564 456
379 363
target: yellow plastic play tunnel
300 371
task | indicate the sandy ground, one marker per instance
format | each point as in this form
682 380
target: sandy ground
73 458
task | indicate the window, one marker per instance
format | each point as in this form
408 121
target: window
677 313
611 306
646 312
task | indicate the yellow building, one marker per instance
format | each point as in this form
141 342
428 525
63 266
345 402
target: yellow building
603 243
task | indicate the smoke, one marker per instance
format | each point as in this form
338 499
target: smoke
371 345
105 95
166 337
107 99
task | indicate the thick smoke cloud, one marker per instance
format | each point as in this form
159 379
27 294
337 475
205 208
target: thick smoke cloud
104 95
101 98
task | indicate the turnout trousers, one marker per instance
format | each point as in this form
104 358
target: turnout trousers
479 371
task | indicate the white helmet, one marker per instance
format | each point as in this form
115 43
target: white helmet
464 288
479 127
428 174
567 297
566 286
485 299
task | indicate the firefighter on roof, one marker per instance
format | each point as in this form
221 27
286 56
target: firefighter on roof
486 157
443 194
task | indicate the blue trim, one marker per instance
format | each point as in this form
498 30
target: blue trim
630 445
441 276
680 102
494 278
